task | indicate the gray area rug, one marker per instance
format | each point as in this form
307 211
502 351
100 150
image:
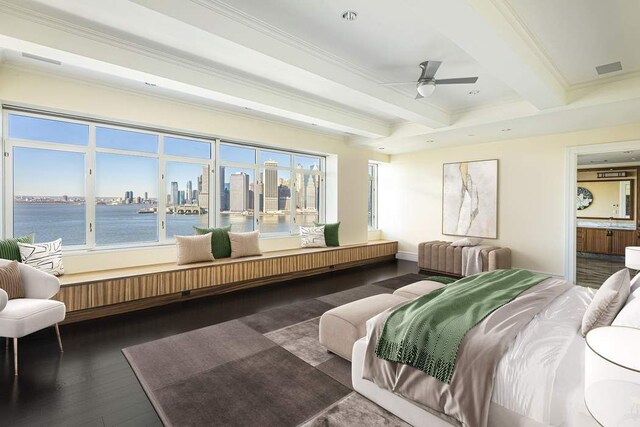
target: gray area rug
266 369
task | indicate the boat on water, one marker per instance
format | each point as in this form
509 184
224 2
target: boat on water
147 210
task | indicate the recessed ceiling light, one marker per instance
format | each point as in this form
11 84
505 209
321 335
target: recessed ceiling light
506 130
380 148
605 161
429 140
150 84
313 124
350 15
471 134
474 92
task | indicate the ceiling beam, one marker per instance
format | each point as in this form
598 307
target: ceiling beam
490 32
42 35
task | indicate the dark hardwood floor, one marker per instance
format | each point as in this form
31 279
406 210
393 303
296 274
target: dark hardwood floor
91 383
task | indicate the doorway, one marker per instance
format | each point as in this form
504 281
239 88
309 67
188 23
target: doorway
602 210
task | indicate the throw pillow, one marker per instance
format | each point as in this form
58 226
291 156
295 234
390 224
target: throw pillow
9 247
466 242
607 302
245 244
312 237
194 249
11 280
331 233
220 245
629 315
43 256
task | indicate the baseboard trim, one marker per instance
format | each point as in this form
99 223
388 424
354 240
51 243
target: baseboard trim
407 256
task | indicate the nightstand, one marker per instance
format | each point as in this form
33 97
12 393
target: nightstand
612 375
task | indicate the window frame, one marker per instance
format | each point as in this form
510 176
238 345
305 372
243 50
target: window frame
373 183
91 151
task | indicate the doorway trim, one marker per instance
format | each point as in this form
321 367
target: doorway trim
571 167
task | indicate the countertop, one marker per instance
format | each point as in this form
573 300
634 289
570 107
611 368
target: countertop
607 225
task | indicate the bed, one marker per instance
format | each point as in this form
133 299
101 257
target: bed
538 381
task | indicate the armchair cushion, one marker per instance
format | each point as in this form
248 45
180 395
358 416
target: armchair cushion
36 283
11 280
24 316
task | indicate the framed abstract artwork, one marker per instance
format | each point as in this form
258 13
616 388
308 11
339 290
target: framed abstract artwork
470 199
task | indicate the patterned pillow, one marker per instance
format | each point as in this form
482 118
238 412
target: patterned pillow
43 256
312 237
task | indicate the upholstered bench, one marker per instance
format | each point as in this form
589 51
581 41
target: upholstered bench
342 326
418 289
441 258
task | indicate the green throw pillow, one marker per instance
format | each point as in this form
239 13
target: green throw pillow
220 244
9 247
330 233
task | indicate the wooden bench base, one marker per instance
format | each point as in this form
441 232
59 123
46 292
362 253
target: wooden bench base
99 294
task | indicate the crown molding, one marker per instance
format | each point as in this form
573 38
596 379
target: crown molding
140 49
525 34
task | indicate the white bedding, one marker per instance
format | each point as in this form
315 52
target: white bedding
540 378
542 374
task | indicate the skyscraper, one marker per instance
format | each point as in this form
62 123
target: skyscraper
270 186
146 195
310 193
203 188
239 192
224 192
174 194
189 192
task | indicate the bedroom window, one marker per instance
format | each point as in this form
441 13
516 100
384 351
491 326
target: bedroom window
373 196
273 191
144 186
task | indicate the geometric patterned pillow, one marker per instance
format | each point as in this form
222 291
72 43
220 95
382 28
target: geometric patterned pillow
312 237
43 256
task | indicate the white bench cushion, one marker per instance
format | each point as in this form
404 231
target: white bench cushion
418 289
342 326
23 316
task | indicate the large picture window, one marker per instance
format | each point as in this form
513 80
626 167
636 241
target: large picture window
98 185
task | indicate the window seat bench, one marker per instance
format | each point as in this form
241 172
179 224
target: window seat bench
103 293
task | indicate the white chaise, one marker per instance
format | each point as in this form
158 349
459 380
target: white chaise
23 316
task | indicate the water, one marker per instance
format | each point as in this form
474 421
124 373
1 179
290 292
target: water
121 224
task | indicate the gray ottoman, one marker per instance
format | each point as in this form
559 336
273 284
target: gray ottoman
342 326
418 289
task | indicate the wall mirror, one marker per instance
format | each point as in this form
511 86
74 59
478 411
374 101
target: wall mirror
604 199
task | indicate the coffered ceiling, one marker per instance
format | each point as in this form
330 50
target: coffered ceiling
300 62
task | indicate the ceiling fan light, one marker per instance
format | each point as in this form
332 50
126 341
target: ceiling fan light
426 89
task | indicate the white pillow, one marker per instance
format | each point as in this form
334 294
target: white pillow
43 256
467 241
607 302
312 237
629 315
194 248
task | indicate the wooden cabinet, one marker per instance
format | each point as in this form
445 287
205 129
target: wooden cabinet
605 241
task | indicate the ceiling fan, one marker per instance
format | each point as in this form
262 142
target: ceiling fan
426 84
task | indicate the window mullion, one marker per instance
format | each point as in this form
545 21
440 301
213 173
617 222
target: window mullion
90 189
162 192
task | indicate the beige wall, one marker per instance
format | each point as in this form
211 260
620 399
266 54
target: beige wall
530 195
347 176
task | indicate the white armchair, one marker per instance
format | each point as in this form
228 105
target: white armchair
23 316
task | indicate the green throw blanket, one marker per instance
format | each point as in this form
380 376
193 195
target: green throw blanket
426 333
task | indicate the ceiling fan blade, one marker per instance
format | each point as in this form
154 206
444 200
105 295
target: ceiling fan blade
397 83
460 81
429 69
418 96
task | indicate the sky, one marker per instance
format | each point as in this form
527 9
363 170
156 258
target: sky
49 172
